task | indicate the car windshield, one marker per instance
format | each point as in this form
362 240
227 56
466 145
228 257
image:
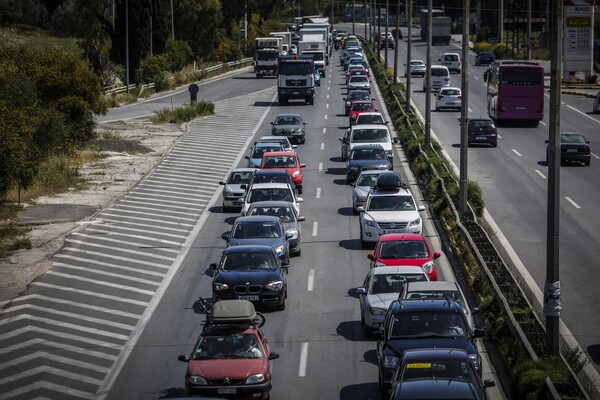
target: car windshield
359 79
258 151
571 138
417 63
437 295
369 136
285 214
391 203
367 180
439 72
393 283
254 229
247 261
370 119
283 142
451 57
368 154
403 249
358 95
280 162
288 120
434 369
272 178
270 195
362 107
238 178
450 92
214 347
427 323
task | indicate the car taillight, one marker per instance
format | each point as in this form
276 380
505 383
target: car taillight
459 97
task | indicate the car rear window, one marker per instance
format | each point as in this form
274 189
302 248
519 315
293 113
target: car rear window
439 71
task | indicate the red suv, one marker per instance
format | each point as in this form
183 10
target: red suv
231 358
394 249
360 106
287 160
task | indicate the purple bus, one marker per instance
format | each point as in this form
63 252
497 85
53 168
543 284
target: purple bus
515 91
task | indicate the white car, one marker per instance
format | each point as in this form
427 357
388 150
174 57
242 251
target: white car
439 290
358 82
450 97
285 142
388 210
596 107
271 192
440 77
370 118
362 186
417 67
368 134
381 286
451 61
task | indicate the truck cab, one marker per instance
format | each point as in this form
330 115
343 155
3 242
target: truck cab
295 79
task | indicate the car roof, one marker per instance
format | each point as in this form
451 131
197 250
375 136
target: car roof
273 185
271 203
401 236
280 153
249 248
436 354
409 269
370 126
257 218
433 285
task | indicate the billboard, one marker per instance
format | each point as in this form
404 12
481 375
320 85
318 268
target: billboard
578 36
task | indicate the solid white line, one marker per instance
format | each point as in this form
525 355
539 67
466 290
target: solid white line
540 174
101 283
543 123
584 114
322 146
311 280
517 153
139 253
315 228
303 357
89 293
572 202
318 193
324 130
595 156
320 166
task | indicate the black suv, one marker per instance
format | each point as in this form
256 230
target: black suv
420 325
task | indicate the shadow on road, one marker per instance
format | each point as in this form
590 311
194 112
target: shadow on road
361 391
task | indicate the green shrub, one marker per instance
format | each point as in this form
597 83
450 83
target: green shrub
502 50
151 68
482 46
177 55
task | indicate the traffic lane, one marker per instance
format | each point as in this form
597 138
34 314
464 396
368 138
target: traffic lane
212 89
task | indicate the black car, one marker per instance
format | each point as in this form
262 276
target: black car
574 147
482 131
271 176
422 324
364 157
438 374
267 230
353 96
290 125
485 58
253 273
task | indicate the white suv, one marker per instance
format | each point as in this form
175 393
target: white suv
451 61
389 208
368 134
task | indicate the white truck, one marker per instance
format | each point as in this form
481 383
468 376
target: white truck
265 58
322 26
316 49
316 34
287 40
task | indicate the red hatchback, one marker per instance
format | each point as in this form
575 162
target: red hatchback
287 160
405 249
231 359
360 106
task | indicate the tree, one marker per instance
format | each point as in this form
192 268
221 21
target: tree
198 22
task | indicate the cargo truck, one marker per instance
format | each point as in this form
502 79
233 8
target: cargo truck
317 34
265 58
316 49
286 40
295 79
440 27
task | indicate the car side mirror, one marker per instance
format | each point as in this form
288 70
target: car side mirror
221 183
273 356
290 235
304 123
213 266
475 310
489 383
371 256
360 209
361 290
376 334
421 208
436 254
294 146
302 165
226 235
395 140
299 199
478 332
302 218
184 357
272 123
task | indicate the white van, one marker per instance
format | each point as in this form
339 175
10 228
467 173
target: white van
452 61
440 77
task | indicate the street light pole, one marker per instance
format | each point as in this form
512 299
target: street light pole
397 44
428 78
172 22
464 109
408 54
127 45
387 20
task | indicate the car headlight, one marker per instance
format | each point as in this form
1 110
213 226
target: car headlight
197 380
380 264
428 267
220 286
389 153
296 174
256 378
275 130
371 223
348 104
475 360
361 197
228 192
279 249
354 169
276 285
415 222
293 232
390 362
376 311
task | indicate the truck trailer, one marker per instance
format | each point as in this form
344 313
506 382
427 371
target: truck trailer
265 58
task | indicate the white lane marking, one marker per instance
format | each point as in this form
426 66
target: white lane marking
543 123
44 369
595 156
75 304
322 146
582 113
570 200
327 105
318 193
303 357
324 130
499 137
315 228
325 116
329 87
469 108
517 153
327 96
320 166
540 174
88 293
311 280
476 77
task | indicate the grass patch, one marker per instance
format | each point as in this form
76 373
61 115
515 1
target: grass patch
184 114
37 39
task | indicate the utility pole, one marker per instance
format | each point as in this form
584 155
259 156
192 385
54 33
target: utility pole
501 22
387 21
529 37
127 45
552 283
353 17
408 54
366 20
172 22
428 78
464 110
397 41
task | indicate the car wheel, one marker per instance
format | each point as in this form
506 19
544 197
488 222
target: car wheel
437 108
368 332
587 163
281 307
298 253
300 191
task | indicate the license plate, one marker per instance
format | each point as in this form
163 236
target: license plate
296 92
392 231
479 138
520 108
226 391
450 103
571 150
249 297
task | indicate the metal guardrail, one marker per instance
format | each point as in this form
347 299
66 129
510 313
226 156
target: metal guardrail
115 89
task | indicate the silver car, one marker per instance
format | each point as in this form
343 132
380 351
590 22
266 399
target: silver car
359 82
439 290
365 182
288 216
233 194
382 286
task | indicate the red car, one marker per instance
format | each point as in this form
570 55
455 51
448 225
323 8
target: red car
405 249
360 106
356 71
287 160
231 358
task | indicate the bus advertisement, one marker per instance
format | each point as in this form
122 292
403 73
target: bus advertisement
515 91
